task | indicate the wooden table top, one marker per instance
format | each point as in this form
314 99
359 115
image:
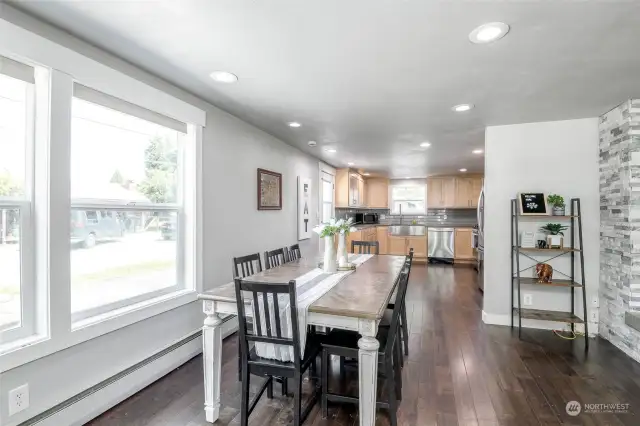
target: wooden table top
361 294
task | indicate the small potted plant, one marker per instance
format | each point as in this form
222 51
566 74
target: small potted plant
554 234
557 203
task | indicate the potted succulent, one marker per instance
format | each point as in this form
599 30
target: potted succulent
554 234
557 203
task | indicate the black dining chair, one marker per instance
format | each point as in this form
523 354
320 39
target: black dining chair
344 344
294 252
269 329
365 247
404 325
275 258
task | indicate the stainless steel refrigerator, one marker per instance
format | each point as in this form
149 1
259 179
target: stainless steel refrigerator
478 240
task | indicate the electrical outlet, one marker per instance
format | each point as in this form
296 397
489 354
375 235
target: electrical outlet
527 299
595 302
593 316
18 399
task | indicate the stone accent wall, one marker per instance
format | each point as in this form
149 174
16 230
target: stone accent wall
620 227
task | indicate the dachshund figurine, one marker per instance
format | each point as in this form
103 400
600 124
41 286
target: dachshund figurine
545 272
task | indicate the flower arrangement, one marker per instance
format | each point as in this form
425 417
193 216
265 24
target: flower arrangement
334 227
328 231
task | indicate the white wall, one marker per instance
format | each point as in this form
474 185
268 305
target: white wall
232 151
552 157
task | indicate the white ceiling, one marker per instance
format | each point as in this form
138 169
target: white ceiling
374 78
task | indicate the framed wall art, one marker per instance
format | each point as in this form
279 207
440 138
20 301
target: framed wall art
269 190
304 206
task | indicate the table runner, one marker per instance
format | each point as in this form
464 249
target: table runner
309 288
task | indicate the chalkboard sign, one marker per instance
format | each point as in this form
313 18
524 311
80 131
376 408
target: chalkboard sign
533 204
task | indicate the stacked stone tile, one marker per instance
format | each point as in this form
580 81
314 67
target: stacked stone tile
620 227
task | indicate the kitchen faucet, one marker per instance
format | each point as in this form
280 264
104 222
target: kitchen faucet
400 213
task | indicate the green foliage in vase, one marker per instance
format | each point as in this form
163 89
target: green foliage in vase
554 228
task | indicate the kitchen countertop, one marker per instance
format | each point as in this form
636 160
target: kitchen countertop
428 225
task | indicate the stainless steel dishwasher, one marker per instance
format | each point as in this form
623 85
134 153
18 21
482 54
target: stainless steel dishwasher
440 242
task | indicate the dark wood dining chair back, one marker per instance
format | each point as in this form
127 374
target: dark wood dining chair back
403 280
267 327
245 266
365 247
294 252
275 258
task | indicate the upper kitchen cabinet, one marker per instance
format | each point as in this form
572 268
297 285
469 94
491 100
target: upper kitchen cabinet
467 192
377 193
350 189
441 192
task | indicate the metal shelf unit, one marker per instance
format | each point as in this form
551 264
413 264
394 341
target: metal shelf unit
575 229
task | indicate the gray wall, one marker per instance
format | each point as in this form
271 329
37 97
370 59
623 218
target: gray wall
620 224
232 151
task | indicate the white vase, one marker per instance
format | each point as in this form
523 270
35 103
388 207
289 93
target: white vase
329 263
343 257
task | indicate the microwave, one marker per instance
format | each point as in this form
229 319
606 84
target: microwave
370 218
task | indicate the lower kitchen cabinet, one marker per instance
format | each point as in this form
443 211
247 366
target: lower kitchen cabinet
397 245
419 245
462 244
382 236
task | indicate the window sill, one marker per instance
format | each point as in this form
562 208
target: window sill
32 348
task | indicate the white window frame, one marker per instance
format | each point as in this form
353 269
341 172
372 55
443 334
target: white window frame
408 185
25 207
54 329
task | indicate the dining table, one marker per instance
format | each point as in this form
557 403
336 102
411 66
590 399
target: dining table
356 302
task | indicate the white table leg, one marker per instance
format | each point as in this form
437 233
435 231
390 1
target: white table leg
368 371
212 348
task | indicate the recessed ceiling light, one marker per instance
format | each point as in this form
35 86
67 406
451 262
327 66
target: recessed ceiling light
331 150
462 107
407 177
350 163
489 32
425 144
312 143
463 170
223 77
477 151
294 124
366 174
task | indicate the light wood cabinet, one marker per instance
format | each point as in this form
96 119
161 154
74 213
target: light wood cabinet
419 245
453 192
353 236
463 192
382 235
350 189
462 244
397 245
476 188
448 192
377 192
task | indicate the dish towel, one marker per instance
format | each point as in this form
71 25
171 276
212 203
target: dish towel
309 288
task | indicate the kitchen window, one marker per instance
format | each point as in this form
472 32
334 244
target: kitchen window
409 199
17 279
126 219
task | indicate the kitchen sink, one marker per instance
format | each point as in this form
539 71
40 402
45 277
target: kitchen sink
408 231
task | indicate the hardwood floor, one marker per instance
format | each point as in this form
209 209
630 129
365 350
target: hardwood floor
459 372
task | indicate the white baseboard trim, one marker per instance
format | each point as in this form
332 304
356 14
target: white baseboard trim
505 319
79 410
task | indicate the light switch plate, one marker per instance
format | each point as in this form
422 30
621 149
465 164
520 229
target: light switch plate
527 299
18 399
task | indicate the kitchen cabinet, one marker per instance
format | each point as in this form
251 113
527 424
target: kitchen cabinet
382 236
419 245
462 244
468 191
377 192
350 188
441 192
397 245
353 236
476 188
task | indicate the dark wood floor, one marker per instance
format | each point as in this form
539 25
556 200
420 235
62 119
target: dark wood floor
460 372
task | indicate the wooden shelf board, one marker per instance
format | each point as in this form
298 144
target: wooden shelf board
554 283
547 216
568 250
544 315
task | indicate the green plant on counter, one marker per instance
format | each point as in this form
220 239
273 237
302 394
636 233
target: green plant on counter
414 222
556 200
554 228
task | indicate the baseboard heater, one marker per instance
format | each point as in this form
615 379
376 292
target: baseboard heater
113 379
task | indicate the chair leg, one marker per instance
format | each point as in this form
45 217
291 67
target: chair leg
285 386
398 348
297 400
270 387
405 331
239 364
342 369
244 406
393 402
325 381
397 378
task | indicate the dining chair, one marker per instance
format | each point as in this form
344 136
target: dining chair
404 325
272 304
294 252
275 258
344 344
364 247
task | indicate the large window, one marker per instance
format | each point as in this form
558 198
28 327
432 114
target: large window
408 199
326 180
126 199
16 229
